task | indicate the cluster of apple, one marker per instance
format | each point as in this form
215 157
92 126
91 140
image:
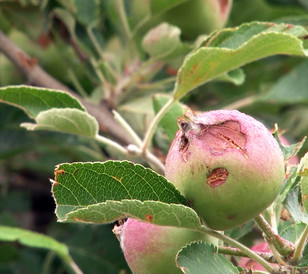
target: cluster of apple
228 166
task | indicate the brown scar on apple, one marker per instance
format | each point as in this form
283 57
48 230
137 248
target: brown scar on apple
217 177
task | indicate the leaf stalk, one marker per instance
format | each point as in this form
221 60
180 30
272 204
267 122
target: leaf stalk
150 132
283 246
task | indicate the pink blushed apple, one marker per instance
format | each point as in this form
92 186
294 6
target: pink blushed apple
227 164
151 249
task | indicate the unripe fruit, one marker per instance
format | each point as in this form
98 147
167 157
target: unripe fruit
194 17
151 249
227 165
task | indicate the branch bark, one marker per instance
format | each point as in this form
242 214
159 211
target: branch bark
37 76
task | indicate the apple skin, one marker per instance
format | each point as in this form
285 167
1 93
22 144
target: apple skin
228 165
197 17
151 249
194 17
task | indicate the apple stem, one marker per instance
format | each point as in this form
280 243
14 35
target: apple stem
238 245
283 246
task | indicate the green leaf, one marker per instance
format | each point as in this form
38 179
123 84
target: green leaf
103 192
169 121
95 249
291 150
33 239
34 100
233 48
296 80
303 172
200 257
292 232
304 261
67 120
294 207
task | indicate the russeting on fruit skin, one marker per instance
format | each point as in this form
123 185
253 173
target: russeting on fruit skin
151 249
227 164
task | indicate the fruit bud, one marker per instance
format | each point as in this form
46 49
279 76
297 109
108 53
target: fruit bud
151 249
227 165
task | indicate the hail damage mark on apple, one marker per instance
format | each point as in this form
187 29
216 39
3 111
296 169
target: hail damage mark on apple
217 177
223 136
219 137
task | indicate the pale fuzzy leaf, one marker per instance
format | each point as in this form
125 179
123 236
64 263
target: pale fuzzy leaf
67 120
154 212
34 100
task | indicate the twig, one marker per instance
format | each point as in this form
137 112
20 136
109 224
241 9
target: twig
153 161
283 246
37 76
110 143
127 128
150 132
227 250
300 245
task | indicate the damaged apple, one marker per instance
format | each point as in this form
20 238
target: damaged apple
227 165
151 249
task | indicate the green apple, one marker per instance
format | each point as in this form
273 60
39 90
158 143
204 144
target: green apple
194 17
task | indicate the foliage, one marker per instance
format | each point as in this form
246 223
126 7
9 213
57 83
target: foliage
97 87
